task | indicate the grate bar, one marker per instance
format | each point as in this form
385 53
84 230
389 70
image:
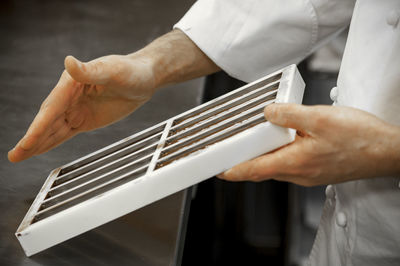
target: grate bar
133 157
95 191
227 97
133 140
207 130
235 111
102 178
108 158
269 88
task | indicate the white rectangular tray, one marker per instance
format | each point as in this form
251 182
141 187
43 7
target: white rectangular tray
157 162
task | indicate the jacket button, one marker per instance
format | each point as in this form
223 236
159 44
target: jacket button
393 18
329 192
341 219
334 94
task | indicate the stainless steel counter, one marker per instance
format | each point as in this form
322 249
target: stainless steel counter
35 38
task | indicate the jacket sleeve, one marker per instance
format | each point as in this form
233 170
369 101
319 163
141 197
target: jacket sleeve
251 38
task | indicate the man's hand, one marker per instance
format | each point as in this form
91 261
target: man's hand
334 144
87 96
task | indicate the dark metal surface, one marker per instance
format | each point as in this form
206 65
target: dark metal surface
35 38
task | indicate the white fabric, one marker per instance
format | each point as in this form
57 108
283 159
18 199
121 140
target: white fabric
369 79
370 73
251 38
360 224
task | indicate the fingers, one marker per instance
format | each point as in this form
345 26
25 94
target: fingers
46 121
253 170
30 141
34 144
61 98
37 133
261 168
272 165
295 116
282 164
57 138
16 154
54 108
93 72
24 149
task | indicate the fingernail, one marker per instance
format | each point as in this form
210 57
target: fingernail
73 60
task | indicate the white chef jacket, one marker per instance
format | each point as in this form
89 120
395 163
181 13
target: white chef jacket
360 224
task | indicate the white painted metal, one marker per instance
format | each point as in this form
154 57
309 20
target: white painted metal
85 193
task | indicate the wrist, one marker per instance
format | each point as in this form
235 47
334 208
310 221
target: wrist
175 58
147 62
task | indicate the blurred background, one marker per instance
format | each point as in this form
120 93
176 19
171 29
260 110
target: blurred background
268 223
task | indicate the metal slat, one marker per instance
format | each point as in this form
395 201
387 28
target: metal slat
112 148
111 156
233 110
226 105
112 165
94 182
212 131
227 97
98 179
90 193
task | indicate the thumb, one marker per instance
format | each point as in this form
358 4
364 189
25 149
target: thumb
295 116
92 72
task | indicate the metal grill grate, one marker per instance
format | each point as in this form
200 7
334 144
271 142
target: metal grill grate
157 162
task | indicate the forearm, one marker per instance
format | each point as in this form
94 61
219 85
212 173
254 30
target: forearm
175 58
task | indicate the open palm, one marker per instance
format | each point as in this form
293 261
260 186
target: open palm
87 96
